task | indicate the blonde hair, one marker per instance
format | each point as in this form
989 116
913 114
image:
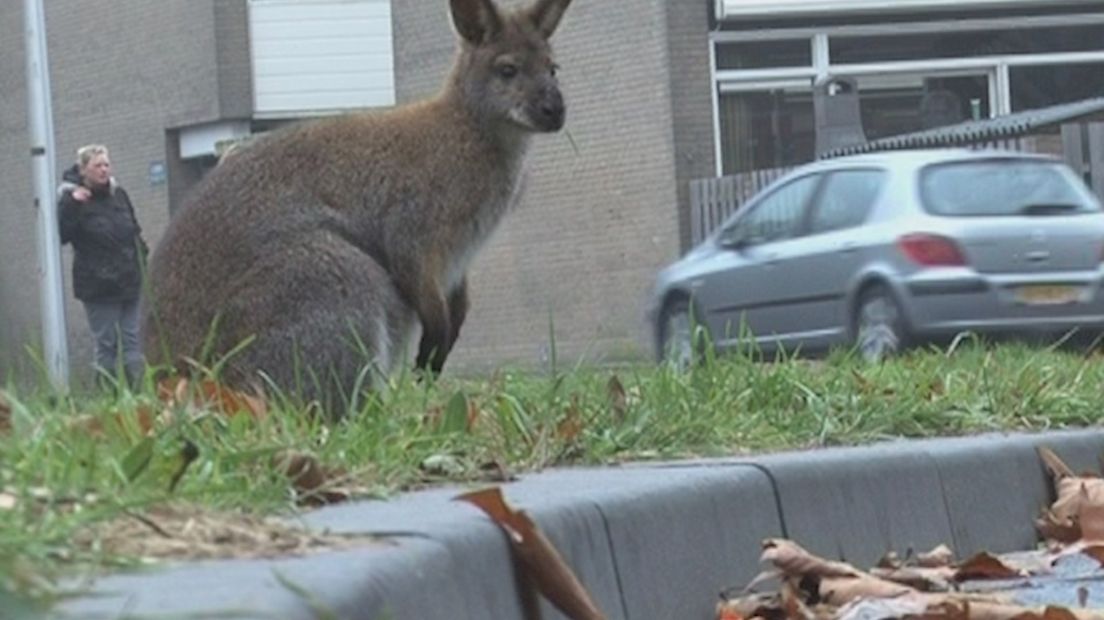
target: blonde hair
86 153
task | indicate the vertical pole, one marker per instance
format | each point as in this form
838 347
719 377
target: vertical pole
41 125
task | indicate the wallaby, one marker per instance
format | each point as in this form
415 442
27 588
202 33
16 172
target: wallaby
307 258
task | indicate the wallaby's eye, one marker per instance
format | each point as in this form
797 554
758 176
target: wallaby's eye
507 70
553 69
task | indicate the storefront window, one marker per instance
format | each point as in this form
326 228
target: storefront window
1046 85
766 129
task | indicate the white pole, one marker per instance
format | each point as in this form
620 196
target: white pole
41 123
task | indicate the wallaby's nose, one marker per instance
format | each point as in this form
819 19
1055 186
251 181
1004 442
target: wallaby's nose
552 111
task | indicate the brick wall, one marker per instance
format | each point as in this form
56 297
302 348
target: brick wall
692 106
599 216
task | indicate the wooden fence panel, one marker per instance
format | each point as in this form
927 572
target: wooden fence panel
1096 158
712 201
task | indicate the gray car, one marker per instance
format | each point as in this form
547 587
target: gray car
883 250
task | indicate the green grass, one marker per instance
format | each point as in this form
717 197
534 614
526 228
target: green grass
65 478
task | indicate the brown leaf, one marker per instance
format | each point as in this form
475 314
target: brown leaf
839 582
842 590
571 425
937 557
1054 464
5 413
538 558
751 606
943 610
209 395
313 482
1052 529
793 560
925 579
618 399
890 560
985 566
1091 520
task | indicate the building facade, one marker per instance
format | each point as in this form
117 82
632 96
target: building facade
660 93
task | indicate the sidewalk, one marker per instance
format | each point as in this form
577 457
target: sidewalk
649 541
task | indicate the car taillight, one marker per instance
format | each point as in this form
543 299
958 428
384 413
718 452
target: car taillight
931 250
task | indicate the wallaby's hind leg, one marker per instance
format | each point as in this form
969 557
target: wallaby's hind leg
328 323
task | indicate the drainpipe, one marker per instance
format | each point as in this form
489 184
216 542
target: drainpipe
41 126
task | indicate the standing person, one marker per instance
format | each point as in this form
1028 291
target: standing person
95 215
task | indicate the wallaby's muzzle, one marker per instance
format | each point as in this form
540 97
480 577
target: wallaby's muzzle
550 111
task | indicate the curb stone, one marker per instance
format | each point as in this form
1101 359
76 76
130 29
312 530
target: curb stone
649 540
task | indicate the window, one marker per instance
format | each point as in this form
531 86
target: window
777 216
1003 187
764 54
846 199
965 44
766 129
1047 85
895 104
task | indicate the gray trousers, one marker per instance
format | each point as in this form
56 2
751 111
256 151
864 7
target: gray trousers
115 330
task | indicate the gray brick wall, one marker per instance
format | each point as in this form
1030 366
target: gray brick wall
122 81
18 288
232 59
691 104
600 213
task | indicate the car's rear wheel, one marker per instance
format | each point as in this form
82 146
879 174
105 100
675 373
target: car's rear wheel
879 324
677 334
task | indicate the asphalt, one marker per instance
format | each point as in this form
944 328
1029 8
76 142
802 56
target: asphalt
649 541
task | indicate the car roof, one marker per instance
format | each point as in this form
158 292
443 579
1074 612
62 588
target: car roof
916 158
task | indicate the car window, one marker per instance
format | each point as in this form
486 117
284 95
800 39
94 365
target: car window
846 199
1003 187
776 216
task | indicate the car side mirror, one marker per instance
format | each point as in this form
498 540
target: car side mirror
733 239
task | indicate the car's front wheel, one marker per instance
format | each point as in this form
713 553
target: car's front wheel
676 335
879 325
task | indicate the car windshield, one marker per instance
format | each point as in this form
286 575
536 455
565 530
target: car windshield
1003 187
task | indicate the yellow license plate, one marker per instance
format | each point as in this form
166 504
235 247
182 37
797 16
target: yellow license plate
1047 294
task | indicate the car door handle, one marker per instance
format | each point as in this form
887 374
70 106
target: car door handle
848 247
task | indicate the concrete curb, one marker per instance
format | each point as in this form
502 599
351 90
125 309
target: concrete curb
650 541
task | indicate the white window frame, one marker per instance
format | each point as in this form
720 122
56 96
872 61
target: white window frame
996 67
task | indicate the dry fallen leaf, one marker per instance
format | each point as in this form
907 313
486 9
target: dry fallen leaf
985 566
618 399
571 425
207 394
5 413
925 579
313 482
836 583
939 556
542 564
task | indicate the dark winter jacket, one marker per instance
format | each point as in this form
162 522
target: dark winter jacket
109 250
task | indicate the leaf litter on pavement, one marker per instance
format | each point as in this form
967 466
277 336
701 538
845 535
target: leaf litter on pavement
934 585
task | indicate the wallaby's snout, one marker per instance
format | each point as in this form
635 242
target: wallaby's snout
550 110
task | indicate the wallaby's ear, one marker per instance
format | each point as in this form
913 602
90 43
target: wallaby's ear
476 20
546 15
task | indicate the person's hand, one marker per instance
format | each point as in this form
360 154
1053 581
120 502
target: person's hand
82 194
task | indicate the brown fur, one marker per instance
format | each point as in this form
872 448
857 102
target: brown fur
323 245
